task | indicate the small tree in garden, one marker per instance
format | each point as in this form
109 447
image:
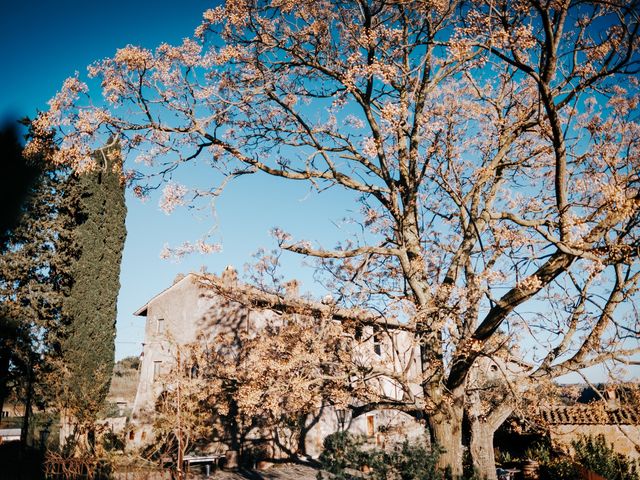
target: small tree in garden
182 418
490 146
230 386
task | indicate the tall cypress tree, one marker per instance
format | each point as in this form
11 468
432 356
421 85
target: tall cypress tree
88 346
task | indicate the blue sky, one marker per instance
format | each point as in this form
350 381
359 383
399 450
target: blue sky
43 42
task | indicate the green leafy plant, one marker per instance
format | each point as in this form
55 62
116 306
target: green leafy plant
538 451
560 469
345 455
592 453
595 454
342 451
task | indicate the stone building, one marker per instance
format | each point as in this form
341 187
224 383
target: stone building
620 425
176 317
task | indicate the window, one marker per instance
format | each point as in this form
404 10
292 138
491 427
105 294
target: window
132 435
358 333
371 425
377 344
157 367
143 436
160 326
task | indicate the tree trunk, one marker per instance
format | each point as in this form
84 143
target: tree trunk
482 431
481 449
24 433
446 433
4 374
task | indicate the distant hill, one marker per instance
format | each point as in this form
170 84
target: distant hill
124 382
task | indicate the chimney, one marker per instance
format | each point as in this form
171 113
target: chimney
291 289
229 275
612 401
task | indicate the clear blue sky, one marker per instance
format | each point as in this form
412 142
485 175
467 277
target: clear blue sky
43 42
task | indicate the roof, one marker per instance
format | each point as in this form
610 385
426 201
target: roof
288 303
250 295
142 311
590 415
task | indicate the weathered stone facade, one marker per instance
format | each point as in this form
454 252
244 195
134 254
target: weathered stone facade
619 425
177 316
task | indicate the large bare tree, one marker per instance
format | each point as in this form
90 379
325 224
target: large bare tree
492 148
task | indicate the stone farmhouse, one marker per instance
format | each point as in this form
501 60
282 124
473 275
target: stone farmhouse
176 317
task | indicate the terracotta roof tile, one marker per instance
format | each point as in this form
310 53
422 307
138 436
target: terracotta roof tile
590 415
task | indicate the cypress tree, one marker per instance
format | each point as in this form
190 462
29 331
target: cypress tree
97 204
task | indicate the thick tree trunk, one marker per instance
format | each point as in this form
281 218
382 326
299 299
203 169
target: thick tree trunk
446 433
481 449
481 445
4 374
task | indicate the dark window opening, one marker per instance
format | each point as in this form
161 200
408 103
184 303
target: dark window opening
377 343
358 333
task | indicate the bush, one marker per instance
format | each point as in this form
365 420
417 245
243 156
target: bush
560 469
112 442
594 453
345 454
342 451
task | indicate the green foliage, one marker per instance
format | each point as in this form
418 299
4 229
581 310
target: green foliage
560 469
109 409
595 454
592 453
60 258
341 452
112 442
17 182
98 208
538 451
127 364
345 455
33 272
415 461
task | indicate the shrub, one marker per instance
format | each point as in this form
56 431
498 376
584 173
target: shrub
345 454
342 451
594 453
415 461
112 442
560 469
